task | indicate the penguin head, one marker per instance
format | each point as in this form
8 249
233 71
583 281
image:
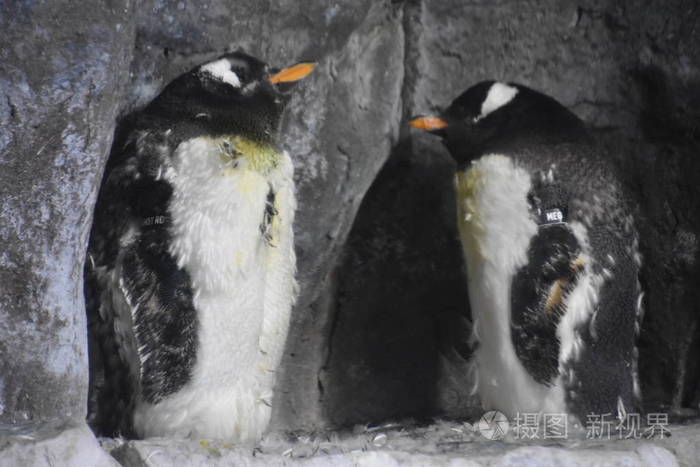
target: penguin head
234 93
492 116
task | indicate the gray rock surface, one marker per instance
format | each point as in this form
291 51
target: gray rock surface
172 36
378 331
340 129
61 73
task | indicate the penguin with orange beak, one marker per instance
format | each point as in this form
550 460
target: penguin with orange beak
190 277
551 253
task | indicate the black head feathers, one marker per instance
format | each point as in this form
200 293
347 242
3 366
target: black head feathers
492 116
234 93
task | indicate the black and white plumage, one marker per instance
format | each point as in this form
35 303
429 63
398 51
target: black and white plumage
551 252
190 272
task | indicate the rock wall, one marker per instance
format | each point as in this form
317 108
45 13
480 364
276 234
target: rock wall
62 70
379 328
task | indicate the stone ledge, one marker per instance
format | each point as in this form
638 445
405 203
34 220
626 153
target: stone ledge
441 444
56 444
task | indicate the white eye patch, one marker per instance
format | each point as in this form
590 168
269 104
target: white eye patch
221 70
499 95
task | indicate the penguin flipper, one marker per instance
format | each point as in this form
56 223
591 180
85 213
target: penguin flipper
608 359
538 299
139 303
111 388
155 310
162 315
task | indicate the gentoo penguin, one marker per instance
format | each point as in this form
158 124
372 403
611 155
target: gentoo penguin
191 264
551 253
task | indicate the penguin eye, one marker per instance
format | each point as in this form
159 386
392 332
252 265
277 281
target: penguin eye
241 72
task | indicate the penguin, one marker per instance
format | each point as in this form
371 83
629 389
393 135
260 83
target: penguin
190 277
551 253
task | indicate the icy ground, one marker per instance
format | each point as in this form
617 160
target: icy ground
439 444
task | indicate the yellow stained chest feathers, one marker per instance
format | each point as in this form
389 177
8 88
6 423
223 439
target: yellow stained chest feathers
238 152
469 222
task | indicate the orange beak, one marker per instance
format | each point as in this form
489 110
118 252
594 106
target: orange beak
293 73
428 123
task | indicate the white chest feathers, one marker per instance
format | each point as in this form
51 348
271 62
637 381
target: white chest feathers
496 228
218 207
232 211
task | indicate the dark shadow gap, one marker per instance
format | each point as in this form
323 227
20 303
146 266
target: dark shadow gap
401 300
